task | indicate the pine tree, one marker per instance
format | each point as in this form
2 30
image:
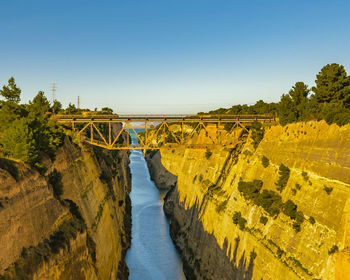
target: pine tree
332 85
18 141
11 92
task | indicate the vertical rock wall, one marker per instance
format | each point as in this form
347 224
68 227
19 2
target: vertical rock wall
202 206
82 235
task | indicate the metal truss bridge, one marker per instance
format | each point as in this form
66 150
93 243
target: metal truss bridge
162 131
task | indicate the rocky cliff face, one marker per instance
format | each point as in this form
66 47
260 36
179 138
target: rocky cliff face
162 178
280 211
82 233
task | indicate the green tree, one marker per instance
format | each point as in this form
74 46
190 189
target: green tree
11 92
293 106
71 109
107 111
18 141
56 107
48 136
9 112
332 84
299 93
334 113
286 113
39 106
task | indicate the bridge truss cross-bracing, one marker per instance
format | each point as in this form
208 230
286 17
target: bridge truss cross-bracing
162 131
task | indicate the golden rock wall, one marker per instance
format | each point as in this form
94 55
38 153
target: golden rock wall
30 214
318 156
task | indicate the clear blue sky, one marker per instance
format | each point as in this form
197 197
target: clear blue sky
169 56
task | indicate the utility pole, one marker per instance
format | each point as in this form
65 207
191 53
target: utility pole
53 89
78 102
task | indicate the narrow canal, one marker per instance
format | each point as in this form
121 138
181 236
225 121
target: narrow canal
152 254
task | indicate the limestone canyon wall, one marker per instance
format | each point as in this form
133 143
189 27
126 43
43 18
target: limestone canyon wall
226 229
81 234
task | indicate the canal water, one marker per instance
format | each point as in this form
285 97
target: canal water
152 254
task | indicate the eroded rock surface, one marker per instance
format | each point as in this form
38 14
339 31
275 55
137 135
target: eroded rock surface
201 207
84 234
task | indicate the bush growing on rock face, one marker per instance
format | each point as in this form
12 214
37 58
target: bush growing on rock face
90 243
296 226
236 217
265 161
333 250
239 220
253 255
284 173
312 220
257 133
328 190
290 209
270 201
250 190
263 220
104 177
208 154
242 222
222 206
305 176
55 179
299 218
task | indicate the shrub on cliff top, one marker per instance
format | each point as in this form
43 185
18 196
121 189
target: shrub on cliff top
26 131
18 141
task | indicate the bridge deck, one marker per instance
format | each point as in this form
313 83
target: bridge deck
168 118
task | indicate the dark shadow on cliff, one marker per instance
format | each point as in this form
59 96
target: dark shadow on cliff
201 254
